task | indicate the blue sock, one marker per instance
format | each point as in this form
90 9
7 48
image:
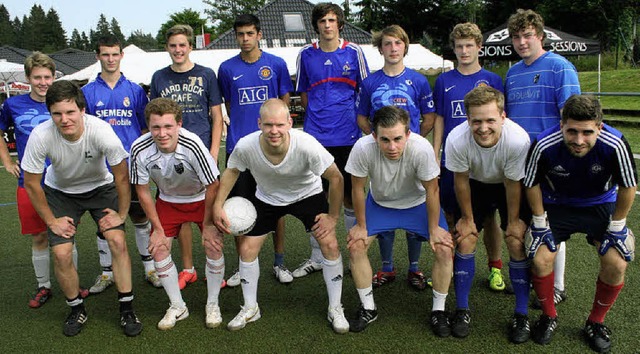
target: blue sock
464 269
385 239
519 274
278 259
414 248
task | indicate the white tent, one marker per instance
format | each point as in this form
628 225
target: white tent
140 66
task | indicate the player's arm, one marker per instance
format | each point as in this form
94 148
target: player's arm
428 120
157 239
227 181
466 225
210 234
123 188
304 100
438 134
325 224
437 235
286 98
626 195
7 161
364 124
515 226
359 231
216 130
62 226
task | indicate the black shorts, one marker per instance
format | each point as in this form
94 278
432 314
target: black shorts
75 205
135 209
245 185
566 220
340 155
304 210
486 198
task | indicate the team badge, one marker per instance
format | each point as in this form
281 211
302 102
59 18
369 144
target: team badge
346 69
265 73
126 102
179 168
408 82
482 83
596 168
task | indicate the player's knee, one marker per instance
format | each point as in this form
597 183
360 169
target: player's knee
515 245
466 244
443 253
117 243
614 266
40 241
543 262
358 250
63 255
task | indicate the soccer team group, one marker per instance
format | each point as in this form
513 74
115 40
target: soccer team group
551 169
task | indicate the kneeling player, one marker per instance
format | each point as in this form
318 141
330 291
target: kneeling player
571 177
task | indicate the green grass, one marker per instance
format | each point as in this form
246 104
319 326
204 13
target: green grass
294 316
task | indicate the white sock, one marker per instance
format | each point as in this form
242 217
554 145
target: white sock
74 255
142 232
366 298
105 256
332 273
316 252
249 275
439 301
349 219
559 265
40 260
168 274
214 270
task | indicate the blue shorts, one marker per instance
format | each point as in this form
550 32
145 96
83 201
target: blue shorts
565 220
381 219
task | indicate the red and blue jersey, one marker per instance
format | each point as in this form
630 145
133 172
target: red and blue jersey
409 90
122 107
331 81
23 113
580 181
245 86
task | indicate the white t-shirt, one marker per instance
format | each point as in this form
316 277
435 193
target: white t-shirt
297 177
181 176
78 166
506 159
395 183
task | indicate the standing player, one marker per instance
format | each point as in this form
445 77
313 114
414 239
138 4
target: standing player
330 72
397 85
487 157
120 103
536 89
246 81
178 163
287 165
195 88
78 144
24 113
403 195
572 175
450 88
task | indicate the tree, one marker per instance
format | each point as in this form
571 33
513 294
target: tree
143 40
32 27
371 14
79 41
17 30
185 17
54 35
116 31
6 29
102 29
224 12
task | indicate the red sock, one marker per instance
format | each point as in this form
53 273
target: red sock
545 291
606 295
495 264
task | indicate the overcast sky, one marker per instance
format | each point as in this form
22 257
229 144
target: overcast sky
132 15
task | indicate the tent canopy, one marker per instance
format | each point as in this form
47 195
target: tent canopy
140 66
497 44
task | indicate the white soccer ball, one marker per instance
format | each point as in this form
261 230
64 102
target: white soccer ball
241 214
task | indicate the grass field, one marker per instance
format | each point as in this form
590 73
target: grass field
294 316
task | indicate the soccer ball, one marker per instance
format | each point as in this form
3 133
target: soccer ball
241 214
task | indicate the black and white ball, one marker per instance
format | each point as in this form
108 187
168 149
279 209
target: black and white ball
241 214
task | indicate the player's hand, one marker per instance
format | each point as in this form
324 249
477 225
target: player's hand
465 228
220 220
357 233
110 220
536 237
623 241
211 237
440 237
63 227
158 240
324 226
14 169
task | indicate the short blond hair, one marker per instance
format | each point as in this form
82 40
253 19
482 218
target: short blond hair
465 30
482 95
186 30
39 60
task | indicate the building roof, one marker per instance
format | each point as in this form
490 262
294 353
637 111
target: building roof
275 35
68 61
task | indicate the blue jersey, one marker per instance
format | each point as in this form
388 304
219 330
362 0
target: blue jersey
331 81
409 90
23 113
536 93
245 86
196 91
122 107
580 181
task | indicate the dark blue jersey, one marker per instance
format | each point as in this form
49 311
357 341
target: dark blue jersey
580 181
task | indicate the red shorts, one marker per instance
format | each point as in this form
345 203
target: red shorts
173 215
30 221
